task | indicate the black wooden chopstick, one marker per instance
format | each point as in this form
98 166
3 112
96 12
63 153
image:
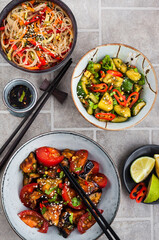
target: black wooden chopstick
42 100
105 227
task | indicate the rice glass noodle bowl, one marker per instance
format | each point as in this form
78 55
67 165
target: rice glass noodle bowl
66 9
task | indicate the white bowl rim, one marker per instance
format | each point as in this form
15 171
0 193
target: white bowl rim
59 132
127 46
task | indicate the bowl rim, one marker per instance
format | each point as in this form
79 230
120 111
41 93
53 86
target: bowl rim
11 5
60 132
18 81
127 46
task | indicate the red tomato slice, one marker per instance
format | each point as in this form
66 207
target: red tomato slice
34 219
95 169
25 193
86 221
48 156
69 195
78 161
100 179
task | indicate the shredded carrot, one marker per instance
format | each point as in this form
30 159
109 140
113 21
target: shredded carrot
23 34
48 9
32 2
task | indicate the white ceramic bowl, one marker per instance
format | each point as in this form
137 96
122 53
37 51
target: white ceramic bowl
12 184
127 54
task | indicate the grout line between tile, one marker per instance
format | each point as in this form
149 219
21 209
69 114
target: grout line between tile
132 219
131 8
88 30
100 24
150 136
152 228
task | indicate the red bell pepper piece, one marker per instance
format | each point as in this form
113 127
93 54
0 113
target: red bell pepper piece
106 116
120 98
110 88
115 73
34 19
102 74
133 97
2 28
136 190
102 87
141 194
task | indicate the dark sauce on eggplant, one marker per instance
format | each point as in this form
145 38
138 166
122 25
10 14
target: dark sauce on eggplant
20 97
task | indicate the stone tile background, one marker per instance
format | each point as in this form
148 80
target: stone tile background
133 22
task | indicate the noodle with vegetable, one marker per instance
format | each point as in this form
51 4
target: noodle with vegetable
36 35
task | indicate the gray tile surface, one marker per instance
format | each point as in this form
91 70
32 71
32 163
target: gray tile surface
130 3
133 22
137 28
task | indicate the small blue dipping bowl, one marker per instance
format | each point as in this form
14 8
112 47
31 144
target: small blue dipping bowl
19 112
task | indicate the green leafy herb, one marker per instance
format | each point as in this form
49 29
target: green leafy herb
43 211
90 216
97 95
50 190
53 199
65 203
92 105
91 69
107 63
22 97
78 169
46 168
59 191
61 175
76 202
71 218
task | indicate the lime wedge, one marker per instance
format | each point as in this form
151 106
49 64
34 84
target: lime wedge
153 190
141 168
156 157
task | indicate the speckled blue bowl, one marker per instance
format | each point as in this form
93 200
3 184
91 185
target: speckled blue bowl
9 87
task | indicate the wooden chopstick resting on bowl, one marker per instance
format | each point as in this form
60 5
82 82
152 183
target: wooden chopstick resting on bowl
109 232
38 106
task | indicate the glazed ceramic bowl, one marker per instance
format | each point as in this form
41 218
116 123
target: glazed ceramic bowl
66 9
129 55
13 177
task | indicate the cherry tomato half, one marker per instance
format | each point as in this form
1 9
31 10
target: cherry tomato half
34 219
86 221
78 161
48 156
25 193
69 195
95 169
100 179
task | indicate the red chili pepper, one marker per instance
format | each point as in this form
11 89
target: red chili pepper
136 190
61 186
102 74
102 87
115 73
36 17
44 49
2 28
133 97
141 195
86 183
106 116
58 170
120 98
110 88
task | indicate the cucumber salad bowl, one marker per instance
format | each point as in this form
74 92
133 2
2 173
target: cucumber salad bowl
114 86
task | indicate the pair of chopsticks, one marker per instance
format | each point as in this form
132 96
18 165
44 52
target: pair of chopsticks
109 232
35 111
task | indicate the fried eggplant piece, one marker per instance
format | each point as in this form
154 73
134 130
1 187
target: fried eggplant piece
29 165
49 185
95 197
30 178
67 153
69 218
52 213
33 199
49 171
87 169
88 186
